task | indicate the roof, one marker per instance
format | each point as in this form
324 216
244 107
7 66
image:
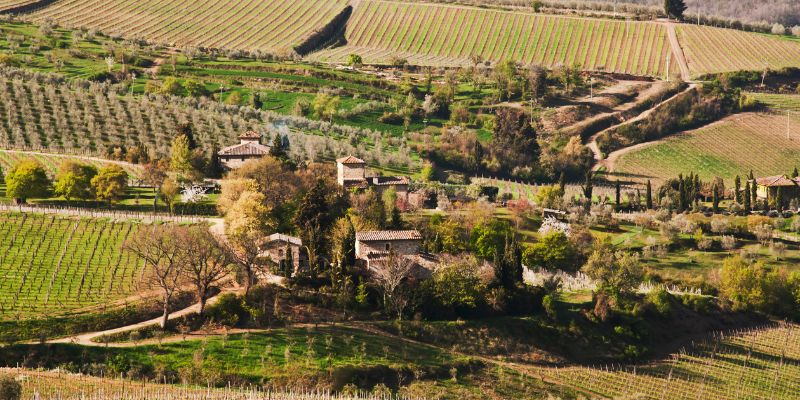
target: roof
374 236
245 149
390 180
250 135
778 180
350 160
279 237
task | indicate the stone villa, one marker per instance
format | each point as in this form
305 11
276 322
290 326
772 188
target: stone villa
767 188
352 174
374 247
249 148
277 247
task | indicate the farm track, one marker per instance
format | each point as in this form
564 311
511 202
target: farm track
606 162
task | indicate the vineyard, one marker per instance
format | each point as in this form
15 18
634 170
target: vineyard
731 147
8 4
712 50
782 102
275 26
51 265
427 34
51 162
65 386
754 364
43 112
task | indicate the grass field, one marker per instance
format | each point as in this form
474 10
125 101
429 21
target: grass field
731 147
271 25
712 50
427 34
53 265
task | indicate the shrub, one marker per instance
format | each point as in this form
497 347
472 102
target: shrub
728 242
661 300
548 303
10 389
228 310
778 29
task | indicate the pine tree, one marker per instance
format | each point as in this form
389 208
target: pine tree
649 195
747 206
396 221
675 8
618 196
715 198
277 150
737 186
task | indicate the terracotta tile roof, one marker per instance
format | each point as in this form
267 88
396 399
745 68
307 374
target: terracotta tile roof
390 180
350 160
250 135
245 149
778 180
373 236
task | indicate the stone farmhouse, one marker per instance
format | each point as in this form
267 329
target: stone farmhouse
373 249
249 148
767 188
352 174
282 248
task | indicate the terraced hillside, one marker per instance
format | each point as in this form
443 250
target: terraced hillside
713 50
731 147
276 26
429 34
52 265
10 4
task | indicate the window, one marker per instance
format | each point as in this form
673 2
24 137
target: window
280 253
388 246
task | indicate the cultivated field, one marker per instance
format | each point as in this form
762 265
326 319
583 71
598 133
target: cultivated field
427 34
712 50
276 26
52 265
755 364
7 4
784 102
731 147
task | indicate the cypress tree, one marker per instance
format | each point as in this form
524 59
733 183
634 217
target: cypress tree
681 196
715 198
288 262
737 186
675 8
747 207
562 179
753 192
795 174
588 186
649 195
618 194
779 199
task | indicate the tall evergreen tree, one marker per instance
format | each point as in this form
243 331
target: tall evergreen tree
715 198
795 174
747 206
588 186
276 149
649 195
618 195
562 183
214 165
779 199
187 129
675 8
753 192
737 187
347 251
681 195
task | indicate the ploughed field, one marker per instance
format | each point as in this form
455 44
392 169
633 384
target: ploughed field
435 34
52 265
267 25
727 148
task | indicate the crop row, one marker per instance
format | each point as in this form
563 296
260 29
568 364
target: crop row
712 50
51 162
268 25
754 364
52 265
784 102
441 34
734 146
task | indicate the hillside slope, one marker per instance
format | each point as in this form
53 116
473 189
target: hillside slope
276 26
445 35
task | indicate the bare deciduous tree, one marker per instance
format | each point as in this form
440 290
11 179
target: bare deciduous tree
392 278
159 248
207 263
